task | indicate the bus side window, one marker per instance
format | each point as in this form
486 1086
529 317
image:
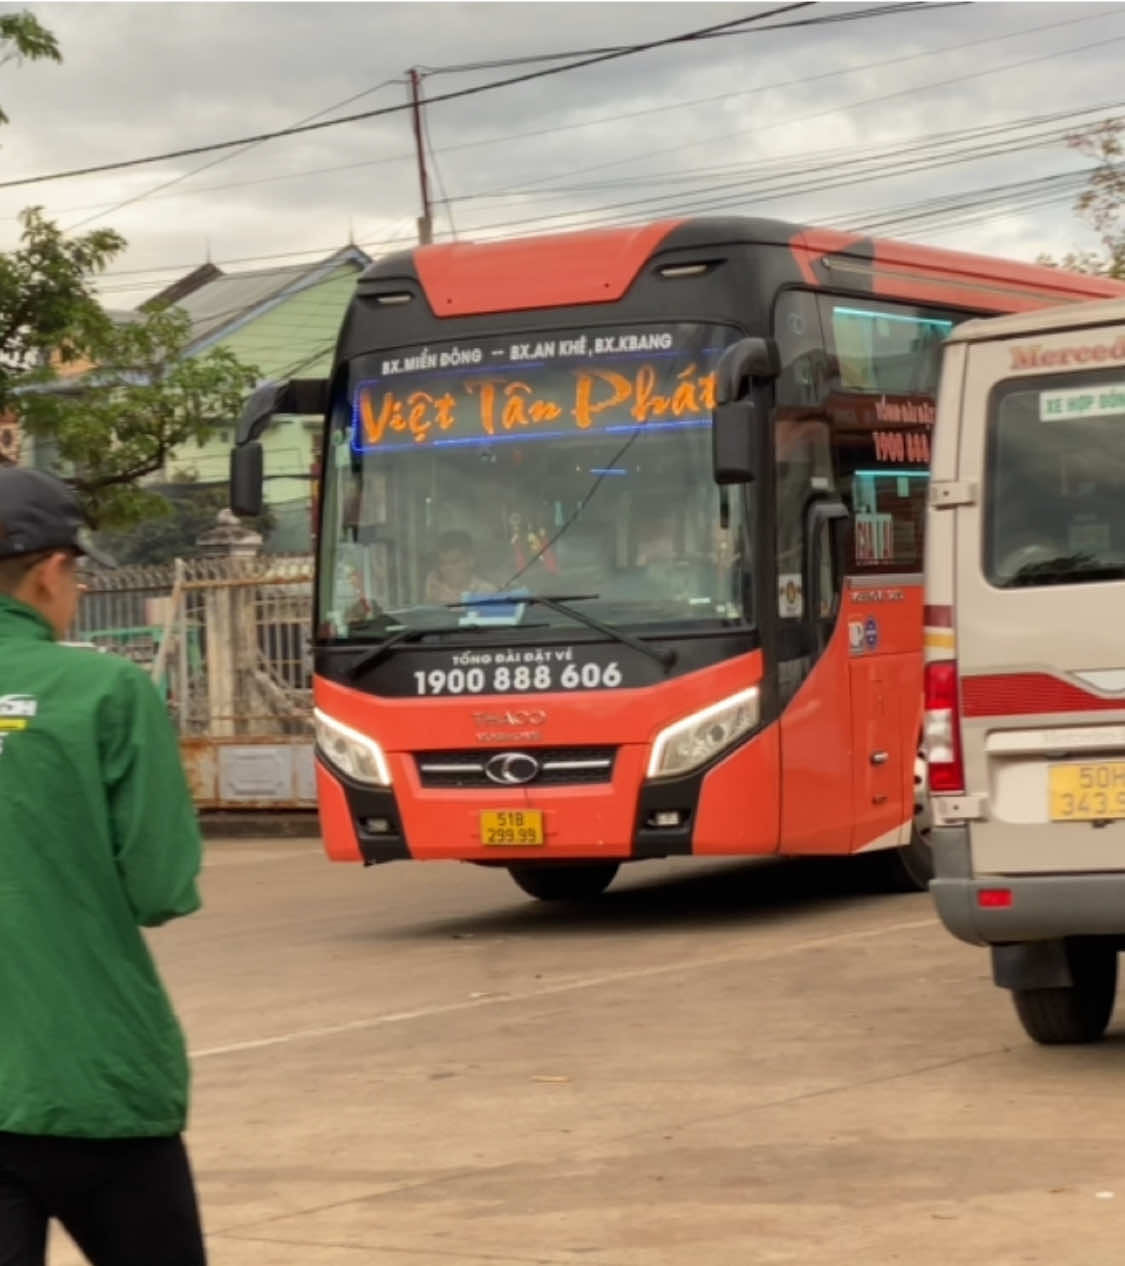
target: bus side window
800 342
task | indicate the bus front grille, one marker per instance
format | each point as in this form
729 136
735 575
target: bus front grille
516 767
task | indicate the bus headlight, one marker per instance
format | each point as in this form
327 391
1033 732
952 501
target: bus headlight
352 753
694 740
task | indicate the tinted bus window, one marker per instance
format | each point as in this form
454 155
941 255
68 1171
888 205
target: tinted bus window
888 515
882 347
867 371
886 363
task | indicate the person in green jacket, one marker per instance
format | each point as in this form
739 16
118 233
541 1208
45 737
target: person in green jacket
98 839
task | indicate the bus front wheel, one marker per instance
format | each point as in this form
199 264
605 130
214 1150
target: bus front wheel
1075 1013
563 881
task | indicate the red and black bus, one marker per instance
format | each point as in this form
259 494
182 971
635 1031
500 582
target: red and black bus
620 544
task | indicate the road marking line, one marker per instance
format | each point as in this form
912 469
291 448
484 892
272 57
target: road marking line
549 991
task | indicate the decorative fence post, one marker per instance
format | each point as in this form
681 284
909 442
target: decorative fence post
230 625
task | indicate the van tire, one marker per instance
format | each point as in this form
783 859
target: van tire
1076 1013
564 881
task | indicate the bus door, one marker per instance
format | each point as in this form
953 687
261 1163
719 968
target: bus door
812 651
885 359
878 772
884 619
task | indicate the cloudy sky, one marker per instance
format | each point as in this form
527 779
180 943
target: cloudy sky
944 125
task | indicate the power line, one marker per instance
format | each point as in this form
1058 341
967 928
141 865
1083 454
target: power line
757 175
879 10
459 94
723 196
819 114
1056 187
222 158
508 138
856 163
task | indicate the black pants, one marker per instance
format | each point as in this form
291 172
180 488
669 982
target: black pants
127 1202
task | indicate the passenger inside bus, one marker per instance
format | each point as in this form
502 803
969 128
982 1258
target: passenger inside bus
455 573
658 539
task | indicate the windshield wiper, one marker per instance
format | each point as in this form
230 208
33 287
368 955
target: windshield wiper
413 633
560 603
408 633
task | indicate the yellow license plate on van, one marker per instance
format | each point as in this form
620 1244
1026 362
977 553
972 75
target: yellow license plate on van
511 828
1089 792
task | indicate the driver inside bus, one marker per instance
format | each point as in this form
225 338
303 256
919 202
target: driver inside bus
455 574
658 545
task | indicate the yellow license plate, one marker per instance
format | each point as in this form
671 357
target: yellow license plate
511 828
1088 792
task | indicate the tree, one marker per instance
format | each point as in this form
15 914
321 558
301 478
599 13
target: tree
119 423
23 37
47 302
140 397
192 510
1101 202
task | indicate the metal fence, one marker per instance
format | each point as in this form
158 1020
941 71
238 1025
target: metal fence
225 641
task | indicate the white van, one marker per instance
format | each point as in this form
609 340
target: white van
1025 657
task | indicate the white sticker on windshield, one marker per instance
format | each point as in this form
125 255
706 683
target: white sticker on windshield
1082 402
790 596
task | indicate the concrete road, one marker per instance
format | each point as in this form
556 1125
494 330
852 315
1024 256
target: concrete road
716 1064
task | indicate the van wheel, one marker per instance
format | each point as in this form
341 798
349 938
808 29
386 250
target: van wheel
1074 1013
564 882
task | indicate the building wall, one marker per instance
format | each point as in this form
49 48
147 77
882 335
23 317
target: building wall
296 338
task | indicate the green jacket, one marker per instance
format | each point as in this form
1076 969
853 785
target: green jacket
98 838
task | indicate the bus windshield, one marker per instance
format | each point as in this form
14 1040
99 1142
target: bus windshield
572 464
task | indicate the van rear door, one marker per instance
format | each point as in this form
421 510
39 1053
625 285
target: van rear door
1039 603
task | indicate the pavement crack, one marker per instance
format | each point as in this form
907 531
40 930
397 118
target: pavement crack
454 1254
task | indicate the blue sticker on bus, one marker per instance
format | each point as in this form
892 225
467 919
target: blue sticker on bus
871 633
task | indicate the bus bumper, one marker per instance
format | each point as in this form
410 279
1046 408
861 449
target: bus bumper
727 808
1017 908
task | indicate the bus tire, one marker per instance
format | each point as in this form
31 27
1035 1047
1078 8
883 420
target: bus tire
1076 1013
910 867
564 881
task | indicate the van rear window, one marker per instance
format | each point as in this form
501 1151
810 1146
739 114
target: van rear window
1054 505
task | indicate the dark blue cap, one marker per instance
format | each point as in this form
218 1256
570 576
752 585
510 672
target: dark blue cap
39 513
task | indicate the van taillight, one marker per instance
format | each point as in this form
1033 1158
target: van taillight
943 728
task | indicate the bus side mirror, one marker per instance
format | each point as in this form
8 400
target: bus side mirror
246 470
739 421
293 395
736 438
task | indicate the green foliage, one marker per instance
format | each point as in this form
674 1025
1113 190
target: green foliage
24 38
1101 202
47 301
189 509
116 424
119 423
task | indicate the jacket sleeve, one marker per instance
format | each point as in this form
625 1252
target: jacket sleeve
156 840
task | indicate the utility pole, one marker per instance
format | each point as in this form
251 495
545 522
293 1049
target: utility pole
425 220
